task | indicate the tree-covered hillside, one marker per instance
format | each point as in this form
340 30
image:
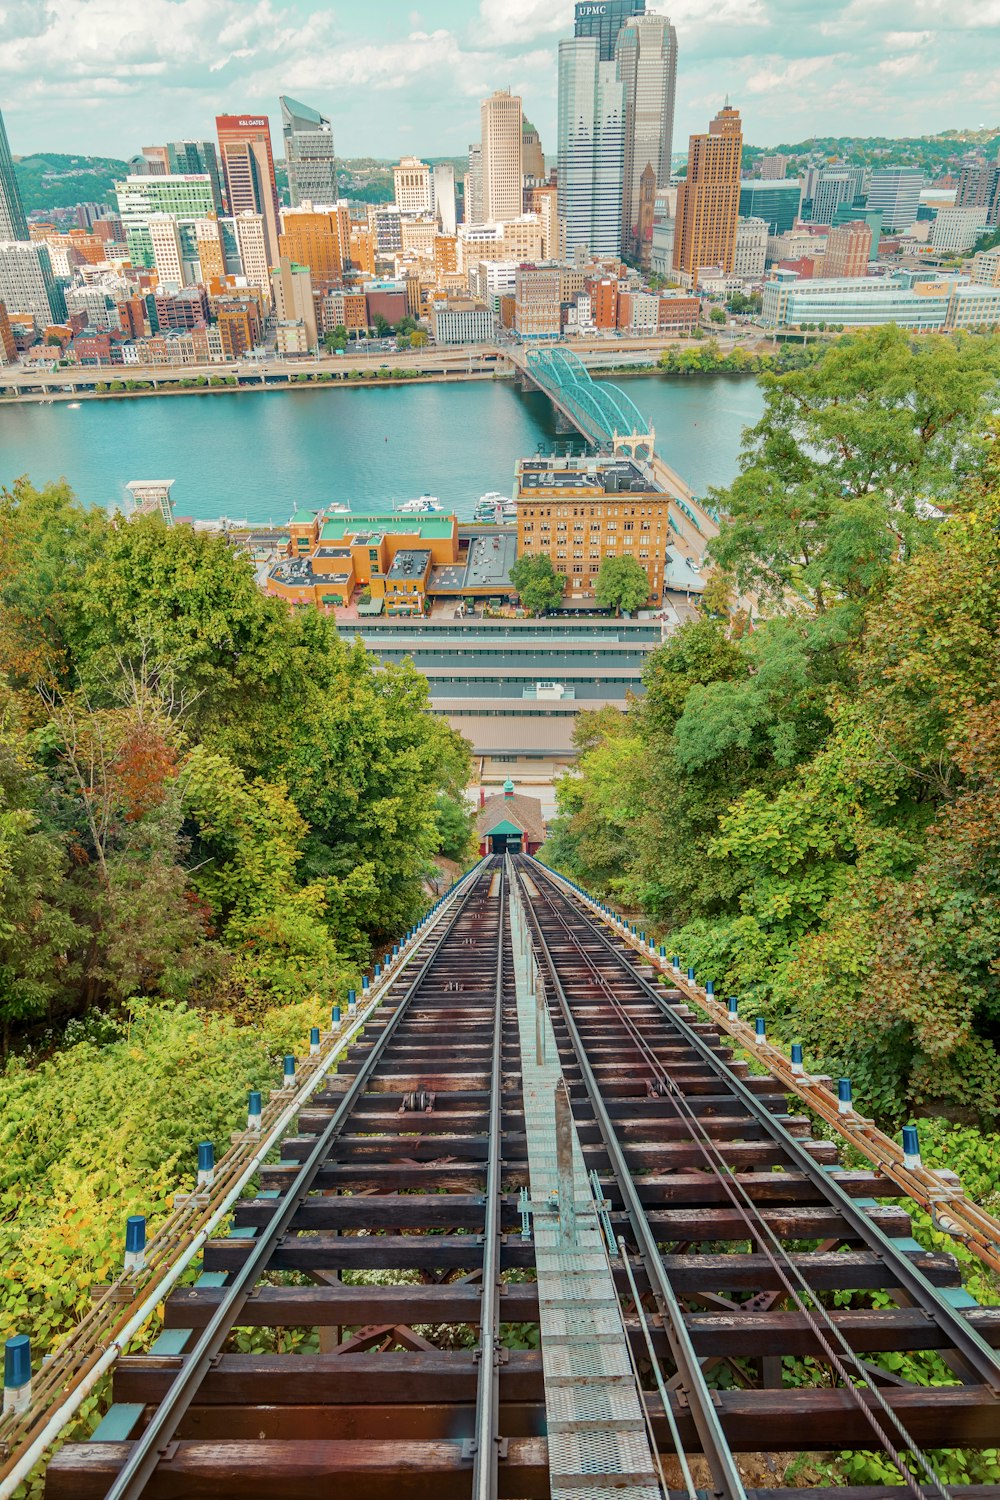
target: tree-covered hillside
933 154
808 807
202 796
51 180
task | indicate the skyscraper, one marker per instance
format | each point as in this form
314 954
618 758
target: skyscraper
309 154
605 20
896 192
532 155
13 224
835 186
187 158
646 56
474 186
708 200
444 196
503 171
412 185
248 171
591 148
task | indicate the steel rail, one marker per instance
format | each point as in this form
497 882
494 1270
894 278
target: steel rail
102 1336
964 1339
486 1459
725 1472
952 1212
758 1229
143 1459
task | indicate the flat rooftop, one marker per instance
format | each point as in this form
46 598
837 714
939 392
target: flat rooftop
410 562
297 572
486 567
599 477
335 528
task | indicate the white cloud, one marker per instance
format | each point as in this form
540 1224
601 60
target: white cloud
513 23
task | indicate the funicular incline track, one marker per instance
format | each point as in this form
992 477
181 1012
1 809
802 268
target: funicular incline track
741 1227
396 1171
736 1245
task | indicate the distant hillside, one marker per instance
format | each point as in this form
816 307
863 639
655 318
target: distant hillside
934 154
51 180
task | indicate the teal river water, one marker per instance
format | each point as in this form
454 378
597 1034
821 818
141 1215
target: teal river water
260 455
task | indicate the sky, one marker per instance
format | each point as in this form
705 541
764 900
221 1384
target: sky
106 77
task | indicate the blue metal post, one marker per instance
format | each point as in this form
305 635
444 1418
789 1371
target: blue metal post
254 1110
760 1027
797 1067
845 1097
17 1374
206 1164
911 1146
289 1070
352 1002
313 1040
135 1243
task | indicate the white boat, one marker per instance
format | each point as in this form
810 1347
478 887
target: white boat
421 506
72 406
494 508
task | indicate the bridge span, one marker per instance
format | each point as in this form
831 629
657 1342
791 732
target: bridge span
607 417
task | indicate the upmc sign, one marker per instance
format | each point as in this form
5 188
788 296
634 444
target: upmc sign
584 12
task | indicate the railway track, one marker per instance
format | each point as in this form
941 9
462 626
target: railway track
542 1235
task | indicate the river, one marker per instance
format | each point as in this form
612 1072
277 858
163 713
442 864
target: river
261 455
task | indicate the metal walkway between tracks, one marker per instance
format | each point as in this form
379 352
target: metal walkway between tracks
598 1442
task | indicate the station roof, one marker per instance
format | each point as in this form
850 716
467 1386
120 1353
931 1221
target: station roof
516 813
418 524
410 562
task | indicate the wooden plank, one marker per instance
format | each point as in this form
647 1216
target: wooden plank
867 1330
302 1471
322 1306
284 1380
382 1252
837 1271
815 1421
700 1225
385 1211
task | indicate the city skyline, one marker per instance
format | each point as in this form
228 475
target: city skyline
904 70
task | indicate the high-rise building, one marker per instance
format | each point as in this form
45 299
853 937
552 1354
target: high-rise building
750 256
211 254
532 155
772 168
157 160
312 237
474 212
168 253
185 199
834 187
848 250
604 21
13 224
591 147
979 187
294 305
777 202
8 345
646 57
248 171
309 155
444 197
544 201
956 230
412 183
502 141
27 285
537 308
708 199
252 247
196 158
896 192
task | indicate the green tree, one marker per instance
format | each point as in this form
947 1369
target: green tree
538 583
622 584
718 315
381 325
418 338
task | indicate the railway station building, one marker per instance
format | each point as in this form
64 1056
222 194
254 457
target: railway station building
510 823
